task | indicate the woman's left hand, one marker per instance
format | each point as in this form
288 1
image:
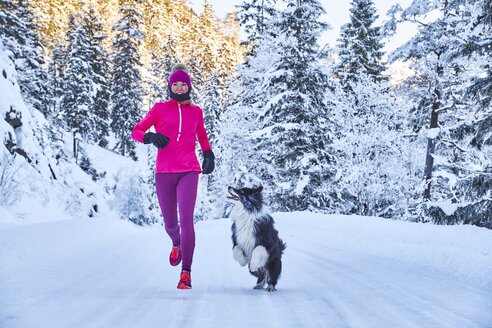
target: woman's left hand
208 162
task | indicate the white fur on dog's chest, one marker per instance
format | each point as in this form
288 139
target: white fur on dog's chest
245 230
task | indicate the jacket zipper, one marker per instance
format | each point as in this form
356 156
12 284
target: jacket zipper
180 122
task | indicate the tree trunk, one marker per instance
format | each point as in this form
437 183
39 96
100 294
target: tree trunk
431 145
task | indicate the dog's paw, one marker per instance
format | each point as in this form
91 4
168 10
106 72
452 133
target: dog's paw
259 285
239 256
258 259
271 288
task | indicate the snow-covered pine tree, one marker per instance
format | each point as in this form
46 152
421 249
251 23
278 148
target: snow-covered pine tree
245 96
10 23
167 24
479 48
230 52
359 45
473 129
212 189
376 174
152 13
158 21
18 32
212 105
186 28
56 81
455 163
126 87
52 18
255 16
99 70
77 99
291 145
161 64
208 42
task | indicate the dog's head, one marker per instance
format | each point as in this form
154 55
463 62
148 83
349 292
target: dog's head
250 198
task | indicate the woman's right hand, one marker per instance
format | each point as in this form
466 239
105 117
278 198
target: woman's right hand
157 139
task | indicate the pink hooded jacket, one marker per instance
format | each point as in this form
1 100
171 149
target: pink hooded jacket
182 124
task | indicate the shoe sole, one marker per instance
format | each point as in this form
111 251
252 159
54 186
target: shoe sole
175 264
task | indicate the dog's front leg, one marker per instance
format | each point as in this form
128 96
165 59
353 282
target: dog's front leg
259 258
239 255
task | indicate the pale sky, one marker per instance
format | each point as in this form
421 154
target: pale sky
337 14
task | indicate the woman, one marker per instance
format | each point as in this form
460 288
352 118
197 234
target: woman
177 125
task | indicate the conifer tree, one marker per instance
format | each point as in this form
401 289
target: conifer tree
255 16
162 61
168 22
52 18
77 98
245 98
212 187
479 48
56 81
18 31
230 52
360 45
99 70
298 122
456 161
151 19
212 106
186 27
473 129
126 92
291 140
208 43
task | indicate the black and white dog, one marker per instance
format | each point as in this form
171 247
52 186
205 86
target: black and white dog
254 238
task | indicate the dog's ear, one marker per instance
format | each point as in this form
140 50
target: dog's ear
259 189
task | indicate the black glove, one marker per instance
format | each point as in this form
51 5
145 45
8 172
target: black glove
208 162
157 139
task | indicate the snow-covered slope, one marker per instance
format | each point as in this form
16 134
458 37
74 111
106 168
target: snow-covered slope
39 178
338 271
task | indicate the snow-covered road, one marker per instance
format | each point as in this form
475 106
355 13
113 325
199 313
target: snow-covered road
338 272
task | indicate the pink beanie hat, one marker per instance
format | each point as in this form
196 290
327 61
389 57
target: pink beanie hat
180 75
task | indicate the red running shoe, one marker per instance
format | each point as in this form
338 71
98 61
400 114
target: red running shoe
184 280
175 256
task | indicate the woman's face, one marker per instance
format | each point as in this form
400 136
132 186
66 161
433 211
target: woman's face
179 88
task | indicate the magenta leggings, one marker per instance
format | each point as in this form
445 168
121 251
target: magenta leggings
178 191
